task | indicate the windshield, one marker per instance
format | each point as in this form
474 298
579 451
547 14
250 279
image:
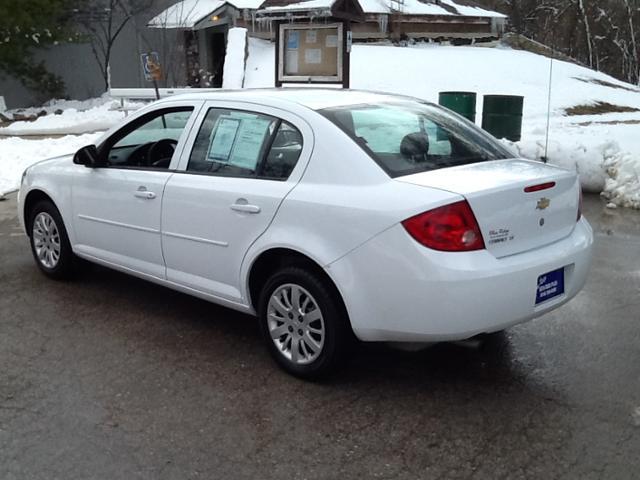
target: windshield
408 137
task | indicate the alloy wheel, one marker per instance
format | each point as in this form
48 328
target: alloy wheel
295 324
46 240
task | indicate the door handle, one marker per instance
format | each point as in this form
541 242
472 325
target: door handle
245 208
143 193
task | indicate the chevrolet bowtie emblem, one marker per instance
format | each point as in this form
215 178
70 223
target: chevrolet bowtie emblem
543 203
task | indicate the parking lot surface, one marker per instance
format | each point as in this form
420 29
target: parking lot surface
110 377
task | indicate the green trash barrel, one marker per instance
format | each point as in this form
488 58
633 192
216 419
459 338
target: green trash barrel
463 103
502 116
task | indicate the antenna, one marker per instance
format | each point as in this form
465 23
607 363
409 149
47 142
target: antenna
546 146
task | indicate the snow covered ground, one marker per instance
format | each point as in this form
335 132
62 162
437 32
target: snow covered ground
604 148
16 154
79 124
77 117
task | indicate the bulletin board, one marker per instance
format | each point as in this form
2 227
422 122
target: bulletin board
311 53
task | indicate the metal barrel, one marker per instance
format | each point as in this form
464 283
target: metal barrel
463 103
502 116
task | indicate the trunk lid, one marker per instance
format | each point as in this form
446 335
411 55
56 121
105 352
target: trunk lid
511 219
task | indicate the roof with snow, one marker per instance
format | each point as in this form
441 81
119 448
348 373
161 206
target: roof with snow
408 7
187 13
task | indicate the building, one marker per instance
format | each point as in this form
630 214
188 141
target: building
373 20
190 37
203 24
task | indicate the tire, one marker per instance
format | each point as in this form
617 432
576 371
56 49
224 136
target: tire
319 327
49 242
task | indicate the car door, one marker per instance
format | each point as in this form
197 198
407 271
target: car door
242 163
117 206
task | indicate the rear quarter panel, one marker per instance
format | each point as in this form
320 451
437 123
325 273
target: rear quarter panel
343 199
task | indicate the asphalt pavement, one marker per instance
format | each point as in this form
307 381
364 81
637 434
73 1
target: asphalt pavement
111 377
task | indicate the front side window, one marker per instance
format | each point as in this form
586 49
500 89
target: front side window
150 141
245 144
410 137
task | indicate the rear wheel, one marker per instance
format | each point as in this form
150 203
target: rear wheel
304 323
49 241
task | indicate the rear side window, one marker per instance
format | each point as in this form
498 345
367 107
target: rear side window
412 137
245 144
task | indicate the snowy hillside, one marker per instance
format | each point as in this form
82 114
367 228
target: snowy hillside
599 146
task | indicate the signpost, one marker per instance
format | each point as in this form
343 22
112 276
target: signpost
152 69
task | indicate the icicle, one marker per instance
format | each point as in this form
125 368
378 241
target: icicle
383 21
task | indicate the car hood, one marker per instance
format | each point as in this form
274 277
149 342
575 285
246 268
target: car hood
53 161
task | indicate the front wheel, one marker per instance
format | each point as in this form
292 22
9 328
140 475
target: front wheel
304 323
49 241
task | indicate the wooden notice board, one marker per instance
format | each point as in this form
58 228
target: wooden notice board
310 53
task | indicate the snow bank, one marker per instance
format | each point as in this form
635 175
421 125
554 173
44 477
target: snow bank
77 117
234 67
596 146
260 62
623 185
16 154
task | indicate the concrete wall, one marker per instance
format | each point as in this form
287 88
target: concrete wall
77 66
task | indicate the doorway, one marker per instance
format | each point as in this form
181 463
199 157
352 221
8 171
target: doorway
217 49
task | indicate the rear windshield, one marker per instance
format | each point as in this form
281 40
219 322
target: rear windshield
408 137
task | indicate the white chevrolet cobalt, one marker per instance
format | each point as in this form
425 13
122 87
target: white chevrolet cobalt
328 214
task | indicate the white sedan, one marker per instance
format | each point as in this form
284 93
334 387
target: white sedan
327 214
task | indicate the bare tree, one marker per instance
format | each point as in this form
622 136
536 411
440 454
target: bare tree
103 21
600 33
587 29
632 33
178 46
174 39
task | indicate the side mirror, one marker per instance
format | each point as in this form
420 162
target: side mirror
87 156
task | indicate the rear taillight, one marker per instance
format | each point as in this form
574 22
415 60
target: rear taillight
451 228
579 205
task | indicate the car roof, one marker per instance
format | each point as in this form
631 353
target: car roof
312 98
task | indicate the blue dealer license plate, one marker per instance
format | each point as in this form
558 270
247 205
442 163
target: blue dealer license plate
550 285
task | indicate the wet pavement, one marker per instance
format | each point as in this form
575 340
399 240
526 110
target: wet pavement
110 377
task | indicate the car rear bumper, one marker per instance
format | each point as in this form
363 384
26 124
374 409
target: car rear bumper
397 290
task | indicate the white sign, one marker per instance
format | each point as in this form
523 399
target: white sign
331 41
312 36
223 137
312 55
249 143
291 61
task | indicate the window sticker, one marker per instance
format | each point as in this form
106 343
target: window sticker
224 136
250 137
